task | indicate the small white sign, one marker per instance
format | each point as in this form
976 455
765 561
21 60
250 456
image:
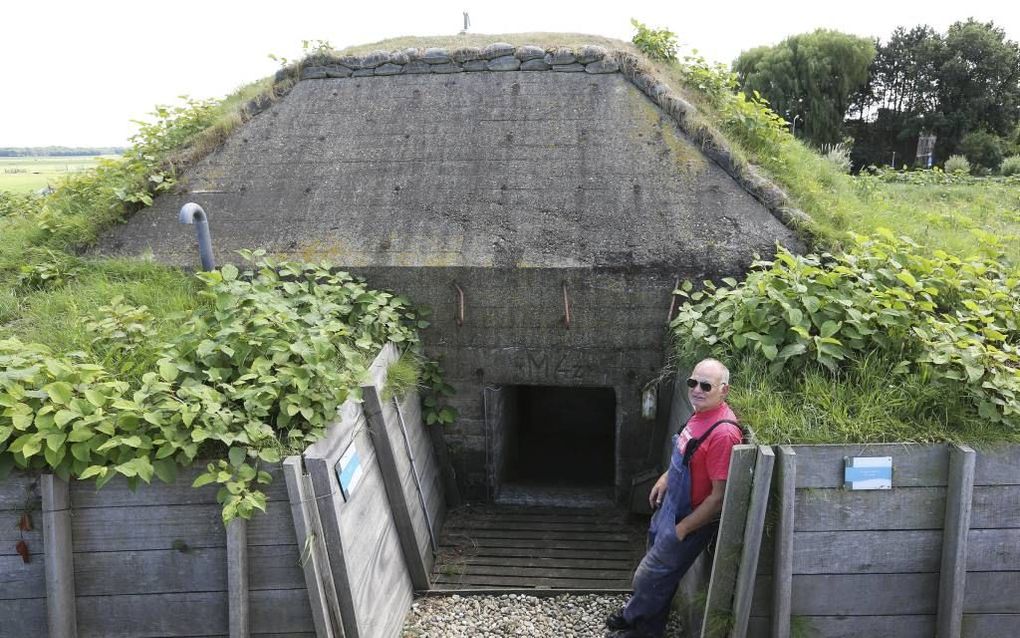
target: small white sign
349 471
867 473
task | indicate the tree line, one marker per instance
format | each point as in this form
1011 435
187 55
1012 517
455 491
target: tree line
59 151
962 86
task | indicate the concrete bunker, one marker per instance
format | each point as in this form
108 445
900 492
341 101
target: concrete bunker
545 217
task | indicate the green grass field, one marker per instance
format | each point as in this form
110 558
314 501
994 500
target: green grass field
24 174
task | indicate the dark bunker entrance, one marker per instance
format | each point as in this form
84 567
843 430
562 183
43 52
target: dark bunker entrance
552 445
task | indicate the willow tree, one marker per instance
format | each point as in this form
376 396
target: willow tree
809 78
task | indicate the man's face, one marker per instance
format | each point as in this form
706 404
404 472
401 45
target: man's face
706 375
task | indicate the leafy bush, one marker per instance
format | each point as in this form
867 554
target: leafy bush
953 322
982 149
957 165
1010 166
256 372
658 44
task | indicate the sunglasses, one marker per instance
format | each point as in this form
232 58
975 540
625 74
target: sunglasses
705 385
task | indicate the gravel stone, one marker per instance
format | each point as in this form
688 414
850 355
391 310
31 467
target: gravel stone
513 615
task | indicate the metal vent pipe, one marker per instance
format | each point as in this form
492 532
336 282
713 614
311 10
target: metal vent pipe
192 213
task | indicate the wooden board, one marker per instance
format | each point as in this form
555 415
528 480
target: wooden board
992 593
365 558
884 552
997 465
914 465
23 618
995 506
20 580
17 490
990 625
538 547
899 509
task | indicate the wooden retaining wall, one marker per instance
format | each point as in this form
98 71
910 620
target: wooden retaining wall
150 562
937 555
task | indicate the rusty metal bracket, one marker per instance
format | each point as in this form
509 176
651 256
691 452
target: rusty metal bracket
460 305
566 306
672 302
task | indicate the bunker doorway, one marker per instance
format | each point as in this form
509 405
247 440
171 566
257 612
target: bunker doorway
551 445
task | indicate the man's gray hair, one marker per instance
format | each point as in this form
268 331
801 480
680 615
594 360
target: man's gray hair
725 380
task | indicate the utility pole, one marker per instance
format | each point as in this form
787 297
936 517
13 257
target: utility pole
467 23
894 160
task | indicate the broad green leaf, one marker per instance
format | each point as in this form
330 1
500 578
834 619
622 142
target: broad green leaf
166 470
229 272
203 479
59 392
55 441
236 455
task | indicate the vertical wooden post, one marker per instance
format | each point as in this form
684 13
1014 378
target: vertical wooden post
58 548
953 574
753 530
729 541
314 560
237 577
782 568
399 506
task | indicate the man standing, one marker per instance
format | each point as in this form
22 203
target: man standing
687 500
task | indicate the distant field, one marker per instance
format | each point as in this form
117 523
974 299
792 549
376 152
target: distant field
23 174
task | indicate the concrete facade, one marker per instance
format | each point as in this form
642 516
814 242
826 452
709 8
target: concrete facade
514 186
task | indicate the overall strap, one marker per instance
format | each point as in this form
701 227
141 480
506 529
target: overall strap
693 444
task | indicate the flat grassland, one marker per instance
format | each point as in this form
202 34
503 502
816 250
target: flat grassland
24 174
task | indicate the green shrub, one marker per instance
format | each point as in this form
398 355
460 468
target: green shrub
957 165
658 44
954 323
982 149
838 155
1010 166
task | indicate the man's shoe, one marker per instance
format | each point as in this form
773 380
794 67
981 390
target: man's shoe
631 632
616 621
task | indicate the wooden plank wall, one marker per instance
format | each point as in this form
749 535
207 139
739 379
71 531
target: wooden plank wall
153 562
369 572
22 585
399 415
868 562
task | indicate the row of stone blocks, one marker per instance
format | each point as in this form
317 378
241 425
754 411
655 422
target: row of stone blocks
495 57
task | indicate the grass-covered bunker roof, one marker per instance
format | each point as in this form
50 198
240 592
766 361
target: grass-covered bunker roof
495 156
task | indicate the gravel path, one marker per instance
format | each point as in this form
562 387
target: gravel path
514 615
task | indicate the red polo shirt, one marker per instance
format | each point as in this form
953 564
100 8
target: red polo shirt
712 460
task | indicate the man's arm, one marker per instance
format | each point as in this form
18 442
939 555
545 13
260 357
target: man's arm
703 514
658 491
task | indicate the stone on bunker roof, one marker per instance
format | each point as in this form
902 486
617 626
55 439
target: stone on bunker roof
466 54
590 53
436 55
497 50
562 55
504 63
530 52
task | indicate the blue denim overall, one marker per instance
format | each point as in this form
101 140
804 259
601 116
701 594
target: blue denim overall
668 558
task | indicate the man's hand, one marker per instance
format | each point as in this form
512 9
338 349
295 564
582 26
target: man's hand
658 491
681 530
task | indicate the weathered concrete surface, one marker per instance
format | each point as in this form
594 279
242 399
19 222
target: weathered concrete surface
510 185
490 169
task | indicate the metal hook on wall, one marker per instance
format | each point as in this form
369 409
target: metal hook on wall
672 301
566 306
460 305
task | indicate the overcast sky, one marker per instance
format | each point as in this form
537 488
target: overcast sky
77 72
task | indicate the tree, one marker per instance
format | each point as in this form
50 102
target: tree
810 77
979 84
